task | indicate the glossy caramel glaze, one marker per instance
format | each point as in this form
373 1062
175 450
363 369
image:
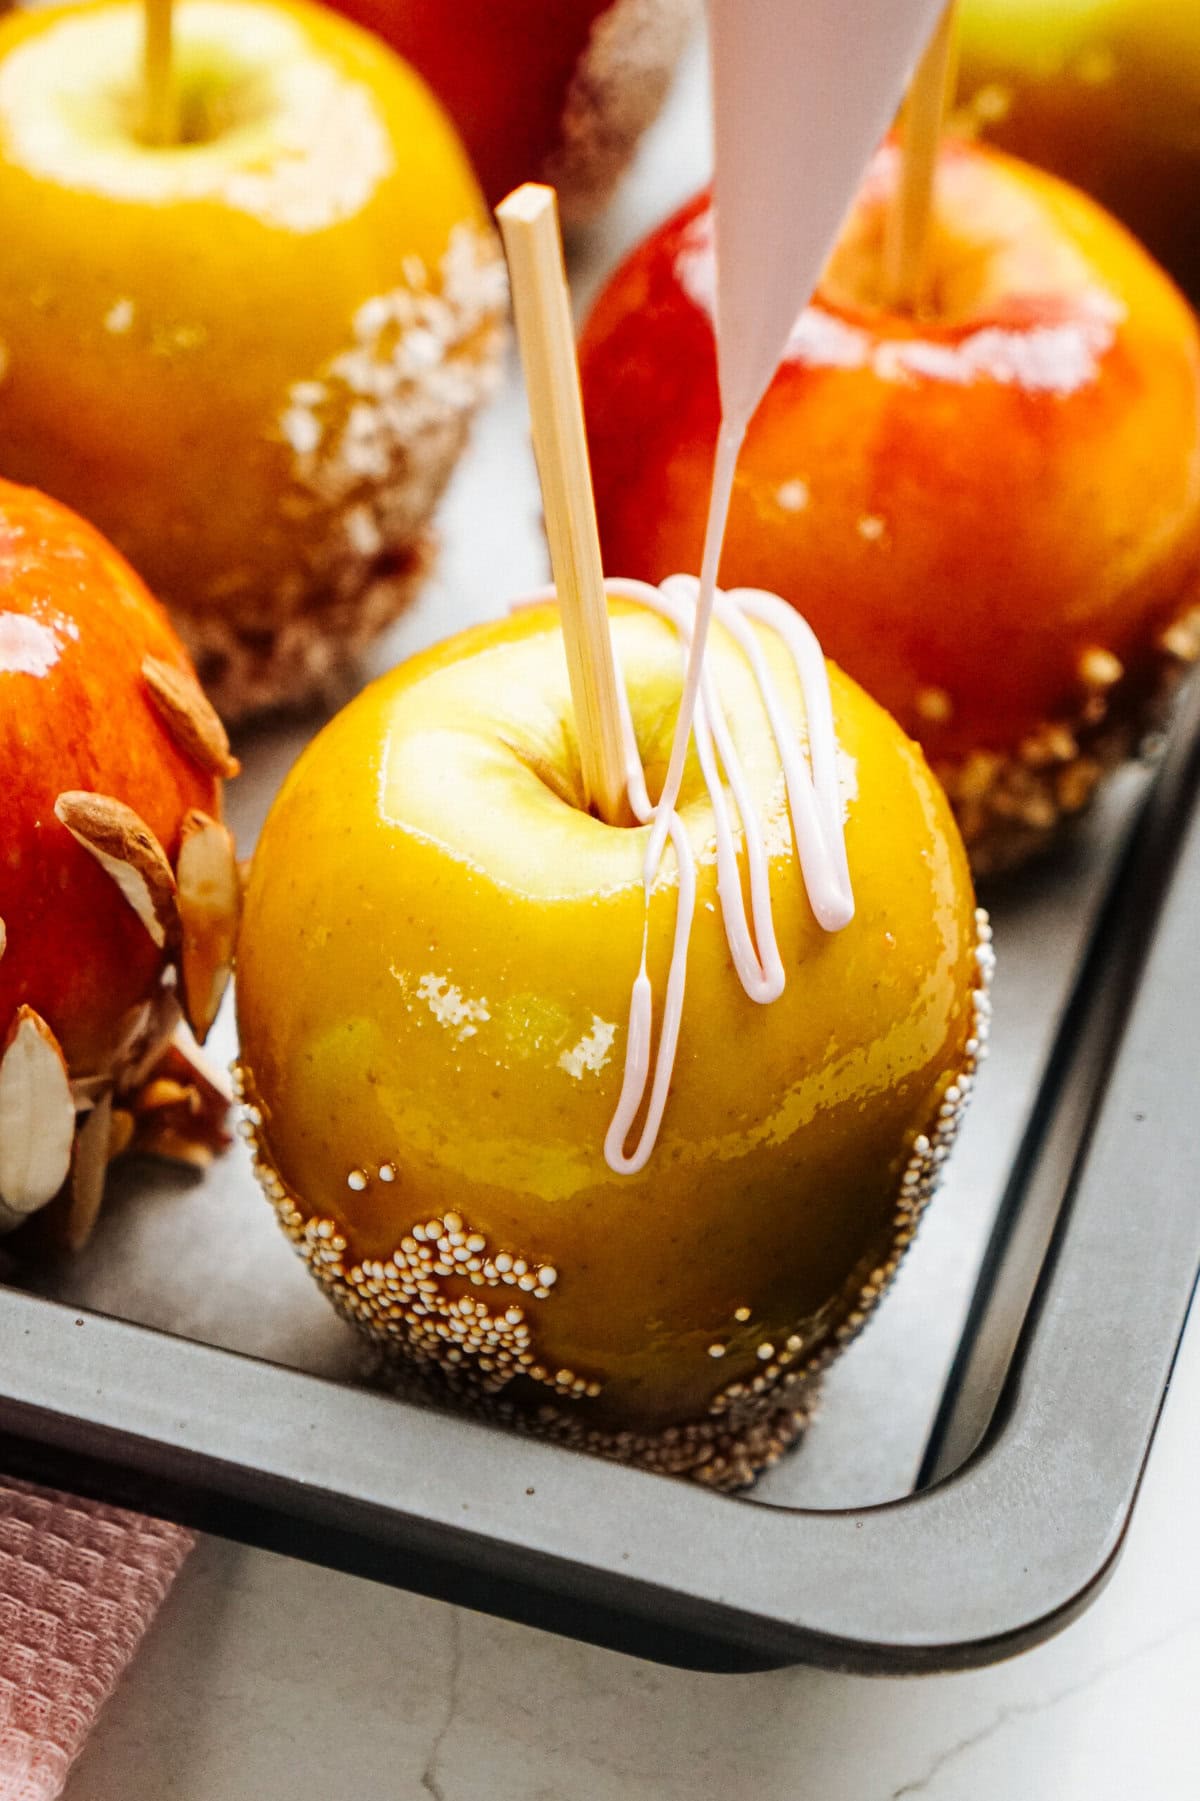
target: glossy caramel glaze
75 626
1105 93
501 68
249 357
434 977
963 506
541 91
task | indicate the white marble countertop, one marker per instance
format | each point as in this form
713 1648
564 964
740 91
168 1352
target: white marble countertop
274 1679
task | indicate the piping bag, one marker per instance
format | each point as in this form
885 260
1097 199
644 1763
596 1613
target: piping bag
803 91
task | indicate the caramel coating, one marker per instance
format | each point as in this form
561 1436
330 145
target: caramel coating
76 714
434 977
990 514
250 357
568 108
1104 93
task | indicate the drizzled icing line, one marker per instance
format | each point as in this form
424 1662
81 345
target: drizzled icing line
814 805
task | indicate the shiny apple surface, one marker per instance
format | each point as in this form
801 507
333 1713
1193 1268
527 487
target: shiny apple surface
434 981
990 512
1103 92
541 90
76 626
250 356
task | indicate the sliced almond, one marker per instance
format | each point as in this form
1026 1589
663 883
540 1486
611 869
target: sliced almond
37 1118
157 1137
3 937
88 1091
209 900
89 1168
126 848
120 1135
181 1111
188 715
164 1091
210 1081
146 1032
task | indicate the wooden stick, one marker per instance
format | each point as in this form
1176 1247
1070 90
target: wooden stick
907 237
541 305
160 118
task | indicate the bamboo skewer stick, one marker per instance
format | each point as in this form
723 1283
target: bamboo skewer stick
541 306
160 119
906 242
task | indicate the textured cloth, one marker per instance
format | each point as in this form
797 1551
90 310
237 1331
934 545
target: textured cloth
79 1584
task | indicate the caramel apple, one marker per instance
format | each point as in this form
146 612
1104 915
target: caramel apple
539 89
990 513
1103 92
118 885
434 982
250 354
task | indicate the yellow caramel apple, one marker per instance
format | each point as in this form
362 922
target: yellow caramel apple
250 355
435 969
1103 92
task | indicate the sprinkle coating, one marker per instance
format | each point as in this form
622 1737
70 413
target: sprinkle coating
432 1340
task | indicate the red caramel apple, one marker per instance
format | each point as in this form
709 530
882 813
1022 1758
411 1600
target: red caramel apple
249 355
118 886
539 89
990 514
435 971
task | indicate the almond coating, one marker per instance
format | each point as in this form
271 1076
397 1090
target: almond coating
97 793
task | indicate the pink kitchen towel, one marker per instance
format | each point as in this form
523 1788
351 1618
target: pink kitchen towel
79 1584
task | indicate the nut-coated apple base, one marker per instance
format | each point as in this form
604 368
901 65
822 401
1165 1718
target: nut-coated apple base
250 668
1012 807
617 92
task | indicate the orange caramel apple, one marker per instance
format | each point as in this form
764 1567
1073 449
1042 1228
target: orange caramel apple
250 356
541 90
990 514
118 884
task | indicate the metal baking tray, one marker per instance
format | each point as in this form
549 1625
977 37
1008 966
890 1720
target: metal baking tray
1041 1422
969 1482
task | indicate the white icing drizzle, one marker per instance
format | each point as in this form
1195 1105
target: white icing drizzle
814 805
792 89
